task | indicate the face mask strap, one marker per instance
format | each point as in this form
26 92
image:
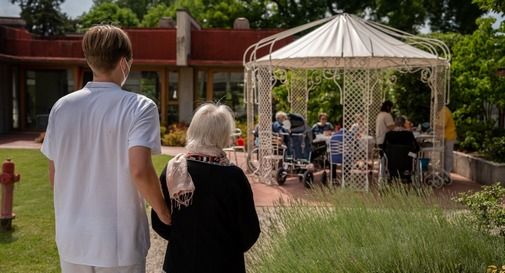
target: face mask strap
125 74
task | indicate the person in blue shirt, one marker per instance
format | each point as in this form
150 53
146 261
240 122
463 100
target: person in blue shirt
278 124
322 126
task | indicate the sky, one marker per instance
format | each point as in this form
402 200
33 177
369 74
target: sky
75 8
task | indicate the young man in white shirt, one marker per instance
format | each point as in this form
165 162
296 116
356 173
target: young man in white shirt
99 142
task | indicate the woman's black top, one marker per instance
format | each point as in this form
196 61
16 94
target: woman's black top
212 234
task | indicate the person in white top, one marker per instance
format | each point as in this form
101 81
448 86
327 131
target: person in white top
384 122
99 142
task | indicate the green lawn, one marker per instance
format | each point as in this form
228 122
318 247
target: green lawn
30 247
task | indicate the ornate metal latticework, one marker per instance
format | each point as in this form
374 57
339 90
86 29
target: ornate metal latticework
359 56
264 85
355 102
298 95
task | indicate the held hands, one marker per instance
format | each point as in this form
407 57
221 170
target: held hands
165 216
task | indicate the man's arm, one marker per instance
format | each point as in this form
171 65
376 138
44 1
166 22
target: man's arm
51 173
146 180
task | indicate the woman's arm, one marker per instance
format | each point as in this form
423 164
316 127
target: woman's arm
249 227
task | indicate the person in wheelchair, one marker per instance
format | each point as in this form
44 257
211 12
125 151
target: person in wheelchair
401 148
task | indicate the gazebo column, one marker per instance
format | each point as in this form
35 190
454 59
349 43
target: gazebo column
376 97
356 109
266 159
438 85
249 101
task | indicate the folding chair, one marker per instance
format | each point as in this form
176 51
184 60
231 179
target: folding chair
335 154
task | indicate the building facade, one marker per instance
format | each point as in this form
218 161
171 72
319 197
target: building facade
178 67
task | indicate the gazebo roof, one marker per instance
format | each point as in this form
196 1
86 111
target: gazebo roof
352 42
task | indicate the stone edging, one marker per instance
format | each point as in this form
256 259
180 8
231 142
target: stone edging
482 171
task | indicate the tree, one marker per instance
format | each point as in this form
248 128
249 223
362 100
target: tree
492 5
207 13
408 16
453 15
44 17
288 13
139 7
477 89
155 13
109 13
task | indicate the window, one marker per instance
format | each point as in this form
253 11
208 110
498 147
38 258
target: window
173 97
43 89
228 89
201 89
146 83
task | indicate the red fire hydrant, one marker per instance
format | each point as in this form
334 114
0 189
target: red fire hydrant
7 180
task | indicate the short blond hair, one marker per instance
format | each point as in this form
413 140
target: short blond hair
211 127
104 46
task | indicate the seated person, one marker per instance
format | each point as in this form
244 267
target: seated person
401 136
338 125
398 145
409 125
278 127
358 127
323 126
278 124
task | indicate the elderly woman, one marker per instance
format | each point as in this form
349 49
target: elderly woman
323 126
213 216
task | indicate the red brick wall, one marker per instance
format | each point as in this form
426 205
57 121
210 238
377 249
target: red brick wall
149 44
226 44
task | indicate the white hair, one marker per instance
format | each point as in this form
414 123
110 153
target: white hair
280 114
211 127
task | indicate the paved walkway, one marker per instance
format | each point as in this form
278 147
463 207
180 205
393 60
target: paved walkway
264 195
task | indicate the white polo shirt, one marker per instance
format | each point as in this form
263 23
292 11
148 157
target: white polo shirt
100 217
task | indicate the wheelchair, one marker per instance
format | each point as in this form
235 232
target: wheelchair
399 163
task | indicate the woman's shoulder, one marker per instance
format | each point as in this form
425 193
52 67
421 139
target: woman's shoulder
225 167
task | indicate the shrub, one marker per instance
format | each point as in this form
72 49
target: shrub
487 207
472 132
174 135
495 149
366 232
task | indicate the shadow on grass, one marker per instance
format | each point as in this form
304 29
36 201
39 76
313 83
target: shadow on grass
7 237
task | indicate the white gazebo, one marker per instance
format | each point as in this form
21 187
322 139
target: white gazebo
359 56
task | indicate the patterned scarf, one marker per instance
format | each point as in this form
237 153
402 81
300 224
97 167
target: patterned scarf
179 182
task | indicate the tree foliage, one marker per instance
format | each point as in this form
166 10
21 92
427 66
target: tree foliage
410 16
453 15
155 13
139 7
493 5
476 87
109 13
44 17
207 13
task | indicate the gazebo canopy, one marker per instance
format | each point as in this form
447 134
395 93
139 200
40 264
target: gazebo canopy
349 41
